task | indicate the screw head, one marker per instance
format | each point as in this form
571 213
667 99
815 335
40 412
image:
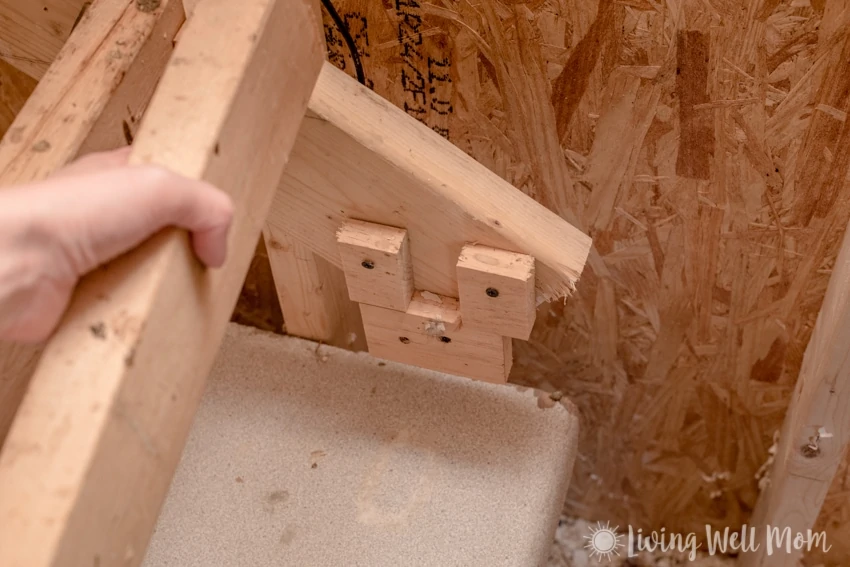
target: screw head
368 264
810 450
492 292
404 340
445 339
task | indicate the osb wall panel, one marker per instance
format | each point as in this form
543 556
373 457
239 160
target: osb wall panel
703 144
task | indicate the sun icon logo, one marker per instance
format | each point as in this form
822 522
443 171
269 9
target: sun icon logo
603 541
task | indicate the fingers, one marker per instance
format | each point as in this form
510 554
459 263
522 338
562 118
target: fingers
195 206
95 217
152 198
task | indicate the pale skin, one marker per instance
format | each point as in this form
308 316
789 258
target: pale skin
55 231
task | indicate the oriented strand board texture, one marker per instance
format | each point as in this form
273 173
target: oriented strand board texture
703 145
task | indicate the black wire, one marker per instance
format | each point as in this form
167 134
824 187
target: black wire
346 35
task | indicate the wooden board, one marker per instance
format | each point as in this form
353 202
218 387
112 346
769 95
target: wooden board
686 335
496 290
431 334
312 294
816 429
90 456
32 33
82 102
376 261
357 157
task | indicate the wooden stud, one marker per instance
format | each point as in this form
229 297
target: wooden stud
431 335
312 294
311 291
73 107
376 262
816 431
359 156
91 454
496 290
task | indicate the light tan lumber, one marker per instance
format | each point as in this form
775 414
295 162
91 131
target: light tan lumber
66 106
359 157
312 294
429 335
816 430
32 33
439 315
99 434
75 106
496 290
376 262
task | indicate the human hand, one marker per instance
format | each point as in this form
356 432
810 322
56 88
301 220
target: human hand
55 231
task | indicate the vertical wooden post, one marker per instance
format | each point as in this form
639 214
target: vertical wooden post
312 294
815 433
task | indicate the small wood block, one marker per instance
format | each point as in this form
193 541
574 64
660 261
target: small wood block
496 290
376 262
430 334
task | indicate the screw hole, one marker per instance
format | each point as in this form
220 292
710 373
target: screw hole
492 292
404 340
445 339
368 264
810 450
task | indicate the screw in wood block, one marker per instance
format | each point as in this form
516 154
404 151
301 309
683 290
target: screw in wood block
496 289
376 262
430 334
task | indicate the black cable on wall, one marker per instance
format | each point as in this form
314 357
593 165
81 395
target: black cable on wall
349 41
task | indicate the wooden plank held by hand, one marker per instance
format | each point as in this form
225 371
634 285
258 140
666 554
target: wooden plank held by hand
99 434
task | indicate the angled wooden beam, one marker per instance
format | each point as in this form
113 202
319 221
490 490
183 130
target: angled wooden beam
90 456
32 33
814 436
90 99
360 157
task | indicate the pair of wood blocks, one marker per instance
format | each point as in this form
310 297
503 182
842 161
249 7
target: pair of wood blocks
469 336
